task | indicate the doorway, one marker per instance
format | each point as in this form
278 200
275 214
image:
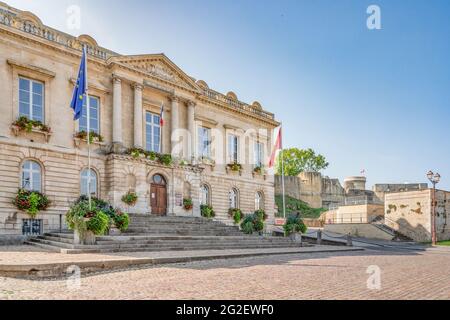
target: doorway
158 195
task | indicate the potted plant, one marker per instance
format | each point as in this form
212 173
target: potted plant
207 211
188 204
253 223
130 198
120 220
165 159
258 170
31 202
93 136
236 214
294 227
25 124
235 167
87 221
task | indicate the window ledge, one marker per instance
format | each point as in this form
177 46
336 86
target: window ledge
233 172
17 131
78 141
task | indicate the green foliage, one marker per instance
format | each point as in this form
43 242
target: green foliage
236 214
26 124
188 204
31 202
98 223
247 227
258 170
294 224
297 206
121 220
80 211
130 198
235 166
93 136
300 160
254 222
165 159
207 211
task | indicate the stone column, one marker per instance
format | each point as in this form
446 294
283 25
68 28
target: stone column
117 112
138 143
175 124
191 129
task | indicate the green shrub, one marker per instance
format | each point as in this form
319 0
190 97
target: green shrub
294 206
98 224
261 214
236 214
188 204
247 227
207 211
294 224
31 202
165 159
121 220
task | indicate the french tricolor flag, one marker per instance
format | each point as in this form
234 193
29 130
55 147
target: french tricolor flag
161 117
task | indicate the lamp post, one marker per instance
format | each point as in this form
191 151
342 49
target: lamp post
434 179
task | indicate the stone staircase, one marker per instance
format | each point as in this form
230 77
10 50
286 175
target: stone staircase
380 223
150 233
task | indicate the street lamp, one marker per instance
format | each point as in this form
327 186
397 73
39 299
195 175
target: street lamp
434 179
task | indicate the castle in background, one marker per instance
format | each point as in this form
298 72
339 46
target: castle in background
323 192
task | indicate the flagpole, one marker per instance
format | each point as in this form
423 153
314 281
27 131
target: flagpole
88 115
282 174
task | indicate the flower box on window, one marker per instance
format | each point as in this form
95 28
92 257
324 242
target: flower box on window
235 168
23 124
94 138
259 171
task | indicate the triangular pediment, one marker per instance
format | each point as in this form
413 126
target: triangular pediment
157 66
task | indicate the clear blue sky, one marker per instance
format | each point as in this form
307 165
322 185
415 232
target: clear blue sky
373 100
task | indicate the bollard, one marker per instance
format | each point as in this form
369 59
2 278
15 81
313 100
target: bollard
349 241
319 237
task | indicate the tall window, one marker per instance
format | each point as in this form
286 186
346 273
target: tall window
204 193
259 154
233 147
84 182
31 99
152 132
234 199
259 201
204 142
31 176
94 115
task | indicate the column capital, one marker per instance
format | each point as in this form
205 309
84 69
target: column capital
191 103
174 98
116 79
137 86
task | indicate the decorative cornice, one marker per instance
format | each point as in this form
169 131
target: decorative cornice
210 122
29 67
92 85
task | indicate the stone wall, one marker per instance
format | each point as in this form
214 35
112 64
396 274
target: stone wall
410 214
364 230
382 189
312 188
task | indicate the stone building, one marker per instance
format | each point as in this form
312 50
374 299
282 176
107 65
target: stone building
203 130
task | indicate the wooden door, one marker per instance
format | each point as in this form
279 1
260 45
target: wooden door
158 199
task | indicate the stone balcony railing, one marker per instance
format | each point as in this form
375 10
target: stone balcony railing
11 19
212 94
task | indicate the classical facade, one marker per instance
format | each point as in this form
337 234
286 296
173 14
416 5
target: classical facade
203 130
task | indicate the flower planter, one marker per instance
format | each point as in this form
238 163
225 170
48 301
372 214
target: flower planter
87 239
296 237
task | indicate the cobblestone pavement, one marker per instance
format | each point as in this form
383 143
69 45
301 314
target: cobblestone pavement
405 274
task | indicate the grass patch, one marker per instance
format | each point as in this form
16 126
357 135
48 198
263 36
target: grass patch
294 205
444 243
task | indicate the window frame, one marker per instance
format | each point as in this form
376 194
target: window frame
152 126
258 151
31 94
233 148
259 201
98 130
31 171
201 130
208 194
96 194
234 192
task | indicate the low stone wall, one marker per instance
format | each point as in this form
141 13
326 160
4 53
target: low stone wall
364 230
12 240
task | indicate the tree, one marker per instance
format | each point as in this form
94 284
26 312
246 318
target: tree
300 160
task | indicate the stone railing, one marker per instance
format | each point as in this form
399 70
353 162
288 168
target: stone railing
212 94
11 19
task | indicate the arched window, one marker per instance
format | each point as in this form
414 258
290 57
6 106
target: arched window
234 199
259 201
84 182
205 195
31 176
159 179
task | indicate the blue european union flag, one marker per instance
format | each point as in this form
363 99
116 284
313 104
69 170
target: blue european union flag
79 92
